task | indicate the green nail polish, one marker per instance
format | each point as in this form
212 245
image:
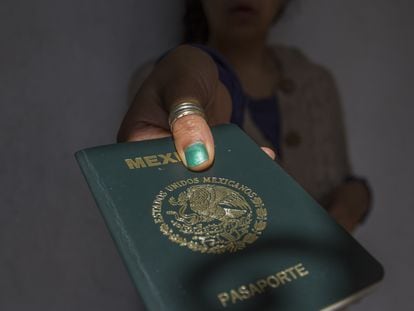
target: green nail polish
196 154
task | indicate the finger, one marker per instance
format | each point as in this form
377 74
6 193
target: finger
145 119
194 142
341 215
269 152
145 133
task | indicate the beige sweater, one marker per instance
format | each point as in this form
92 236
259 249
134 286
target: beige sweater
313 136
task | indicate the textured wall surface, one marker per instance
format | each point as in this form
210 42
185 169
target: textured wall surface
64 73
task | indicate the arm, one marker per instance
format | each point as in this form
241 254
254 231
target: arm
350 200
350 203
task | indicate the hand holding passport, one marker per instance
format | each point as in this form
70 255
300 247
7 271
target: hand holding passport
186 74
234 232
241 235
148 116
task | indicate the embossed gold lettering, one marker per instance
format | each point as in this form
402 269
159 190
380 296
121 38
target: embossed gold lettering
244 292
253 194
243 188
156 207
136 163
300 269
262 284
224 298
283 277
223 180
290 271
167 158
235 296
172 187
272 281
254 289
152 160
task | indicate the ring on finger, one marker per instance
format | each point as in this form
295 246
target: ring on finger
184 109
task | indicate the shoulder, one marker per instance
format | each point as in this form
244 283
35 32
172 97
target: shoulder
297 65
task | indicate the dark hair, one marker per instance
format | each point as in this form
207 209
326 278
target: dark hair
195 21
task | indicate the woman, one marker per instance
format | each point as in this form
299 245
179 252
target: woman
280 98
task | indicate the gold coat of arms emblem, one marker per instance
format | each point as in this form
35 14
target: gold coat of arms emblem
210 214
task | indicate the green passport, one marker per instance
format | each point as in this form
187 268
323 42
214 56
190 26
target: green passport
242 235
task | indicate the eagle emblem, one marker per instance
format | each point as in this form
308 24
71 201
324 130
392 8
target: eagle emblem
213 218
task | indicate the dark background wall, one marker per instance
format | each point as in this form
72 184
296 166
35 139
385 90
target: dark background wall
64 73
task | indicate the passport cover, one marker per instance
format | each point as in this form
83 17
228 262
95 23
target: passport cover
242 235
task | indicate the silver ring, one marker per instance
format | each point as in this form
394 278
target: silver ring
184 109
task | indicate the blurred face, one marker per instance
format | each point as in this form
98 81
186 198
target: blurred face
240 19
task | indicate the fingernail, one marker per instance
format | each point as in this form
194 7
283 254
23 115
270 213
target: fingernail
196 154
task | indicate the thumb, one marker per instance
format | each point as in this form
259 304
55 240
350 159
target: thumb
194 142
